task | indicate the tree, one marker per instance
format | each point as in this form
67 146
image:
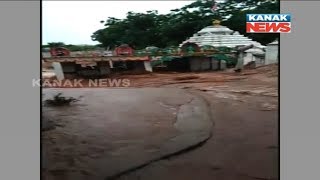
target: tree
71 47
56 44
237 21
140 30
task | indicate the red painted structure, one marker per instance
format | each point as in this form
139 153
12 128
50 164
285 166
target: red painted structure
124 50
59 51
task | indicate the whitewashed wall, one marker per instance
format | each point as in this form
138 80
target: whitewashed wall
271 54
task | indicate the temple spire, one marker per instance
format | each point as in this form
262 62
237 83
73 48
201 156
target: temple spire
216 22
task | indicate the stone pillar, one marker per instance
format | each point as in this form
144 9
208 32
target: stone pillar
58 71
239 65
111 64
147 66
241 50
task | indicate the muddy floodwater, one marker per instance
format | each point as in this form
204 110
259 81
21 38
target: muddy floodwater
108 131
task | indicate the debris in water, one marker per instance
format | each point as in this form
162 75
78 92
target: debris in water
59 100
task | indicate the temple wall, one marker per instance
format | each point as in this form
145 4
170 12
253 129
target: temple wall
248 57
214 64
68 67
223 65
205 64
259 61
271 54
200 64
104 68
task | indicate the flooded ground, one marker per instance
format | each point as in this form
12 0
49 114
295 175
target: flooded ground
109 131
244 108
244 142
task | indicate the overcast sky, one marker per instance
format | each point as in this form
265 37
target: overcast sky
73 22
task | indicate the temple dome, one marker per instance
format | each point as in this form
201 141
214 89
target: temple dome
220 36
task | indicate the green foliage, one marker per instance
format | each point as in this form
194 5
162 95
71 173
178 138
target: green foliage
230 60
80 47
56 44
238 22
140 30
72 47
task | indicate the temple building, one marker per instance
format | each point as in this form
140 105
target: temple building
272 53
220 36
217 35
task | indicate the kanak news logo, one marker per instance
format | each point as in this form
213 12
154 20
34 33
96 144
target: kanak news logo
268 23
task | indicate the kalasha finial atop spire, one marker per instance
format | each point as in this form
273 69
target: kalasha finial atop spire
216 22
